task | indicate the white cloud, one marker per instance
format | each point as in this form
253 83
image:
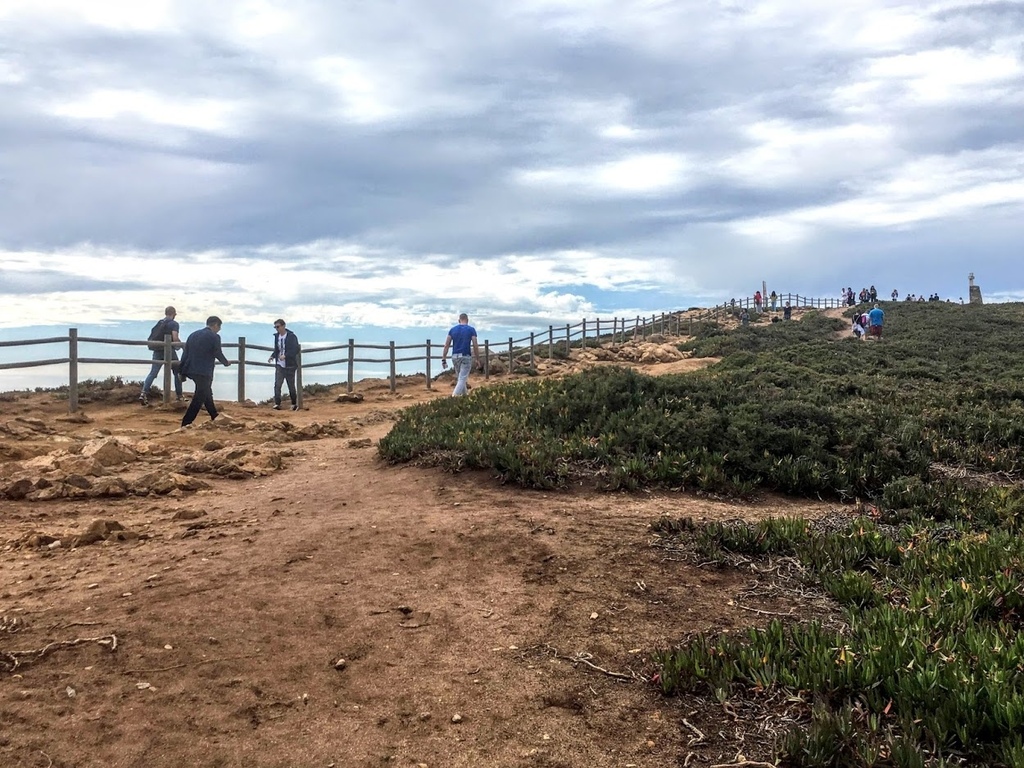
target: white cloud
790 153
109 104
636 174
121 15
358 287
920 190
557 150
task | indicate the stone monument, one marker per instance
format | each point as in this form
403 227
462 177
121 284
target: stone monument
975 291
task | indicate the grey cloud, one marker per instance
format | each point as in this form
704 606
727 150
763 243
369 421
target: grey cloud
444 181
53 281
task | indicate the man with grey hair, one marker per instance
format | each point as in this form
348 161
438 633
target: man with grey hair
461 339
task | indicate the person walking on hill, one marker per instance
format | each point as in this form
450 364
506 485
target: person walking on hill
167 325
787 312
286 357
774 298
857 327
202 351
757 301
875 319
461 340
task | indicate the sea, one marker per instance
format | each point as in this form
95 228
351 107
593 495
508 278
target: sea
259 380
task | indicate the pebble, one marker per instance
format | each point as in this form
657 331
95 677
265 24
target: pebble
456 718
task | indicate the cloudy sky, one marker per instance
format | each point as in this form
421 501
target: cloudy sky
391 163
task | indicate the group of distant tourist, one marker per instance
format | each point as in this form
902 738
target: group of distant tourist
866 295
869 324
870 296
932 297
202 351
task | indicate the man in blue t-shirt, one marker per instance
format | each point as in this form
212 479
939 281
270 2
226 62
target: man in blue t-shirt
169 325
875 319
461 339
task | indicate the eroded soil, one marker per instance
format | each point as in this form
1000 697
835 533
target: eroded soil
335 610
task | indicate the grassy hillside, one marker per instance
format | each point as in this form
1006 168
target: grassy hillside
927 426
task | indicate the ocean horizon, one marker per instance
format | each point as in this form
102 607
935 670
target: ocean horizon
258 380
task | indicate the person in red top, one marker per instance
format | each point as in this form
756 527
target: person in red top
757 300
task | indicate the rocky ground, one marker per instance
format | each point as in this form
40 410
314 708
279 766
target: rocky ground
264 591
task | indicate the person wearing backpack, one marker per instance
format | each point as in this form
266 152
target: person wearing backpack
285 357
156 343
858 326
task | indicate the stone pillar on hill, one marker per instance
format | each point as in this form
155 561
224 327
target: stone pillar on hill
975 290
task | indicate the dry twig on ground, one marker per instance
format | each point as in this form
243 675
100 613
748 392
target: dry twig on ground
17 658
585 658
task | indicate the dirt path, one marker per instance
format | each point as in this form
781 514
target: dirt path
457 606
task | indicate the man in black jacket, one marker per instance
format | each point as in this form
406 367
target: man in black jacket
202 351
286 356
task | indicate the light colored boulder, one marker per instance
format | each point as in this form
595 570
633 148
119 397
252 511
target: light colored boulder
109 451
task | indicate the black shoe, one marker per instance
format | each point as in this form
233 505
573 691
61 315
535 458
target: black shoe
295 407
276 407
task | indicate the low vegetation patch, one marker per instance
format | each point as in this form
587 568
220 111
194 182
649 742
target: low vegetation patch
925 429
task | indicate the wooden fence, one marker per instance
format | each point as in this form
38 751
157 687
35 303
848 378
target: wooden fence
556 340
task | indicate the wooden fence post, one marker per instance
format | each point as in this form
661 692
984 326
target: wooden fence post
351 365
394 384
487 359
583 334
551 342
568 342
511 360
72 370
241 369
533 362
298 380
167 369
428 364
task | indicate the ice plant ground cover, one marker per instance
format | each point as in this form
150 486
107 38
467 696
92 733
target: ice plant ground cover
922 431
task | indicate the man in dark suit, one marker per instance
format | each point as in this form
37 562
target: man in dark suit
202 351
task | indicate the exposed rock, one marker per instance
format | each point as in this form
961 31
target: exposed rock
213 445
47 492
162 482
108 486
80 465
236 462
98 530
316 430
349 397
19 489
224 421
188 514
109 451
363 442
78 481
36 539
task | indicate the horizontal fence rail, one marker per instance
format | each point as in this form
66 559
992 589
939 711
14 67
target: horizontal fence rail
521 353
